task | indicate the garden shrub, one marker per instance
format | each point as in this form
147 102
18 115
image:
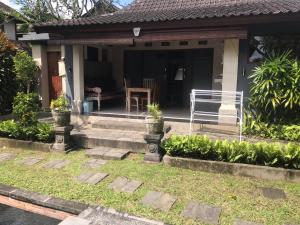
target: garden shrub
26 108
26 70
8 82
273 131
26 125
261 153
275 90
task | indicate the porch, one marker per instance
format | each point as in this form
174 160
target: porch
176 67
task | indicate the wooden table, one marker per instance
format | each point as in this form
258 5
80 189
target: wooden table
138 90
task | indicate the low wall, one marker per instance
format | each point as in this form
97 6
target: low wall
237 169
35 146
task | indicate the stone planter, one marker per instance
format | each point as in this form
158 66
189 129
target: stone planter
154 126
61 118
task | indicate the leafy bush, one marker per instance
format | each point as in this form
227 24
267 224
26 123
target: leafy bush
261 153
8 82
60 104
275 90
26 108
273 131
39 132
26 126
26 69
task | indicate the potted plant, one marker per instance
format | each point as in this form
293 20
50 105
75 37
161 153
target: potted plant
154 120
61 111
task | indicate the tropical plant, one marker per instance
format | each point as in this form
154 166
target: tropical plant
275 90
8 82
154 110
61 104
26 69
260 153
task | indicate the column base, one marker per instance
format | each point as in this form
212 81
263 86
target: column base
227 110
62 138
77 106
153 154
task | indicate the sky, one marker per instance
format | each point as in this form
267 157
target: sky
8 2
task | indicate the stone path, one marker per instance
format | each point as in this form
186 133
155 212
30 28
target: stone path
107 153
91 178
273 193
30 161
56 164
205 213
125 185
94 163
242 222
6 156
159 200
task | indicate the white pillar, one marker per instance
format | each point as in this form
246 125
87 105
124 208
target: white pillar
78 76
39 54
229 82
62 69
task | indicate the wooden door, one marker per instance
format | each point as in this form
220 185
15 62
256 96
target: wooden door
55 81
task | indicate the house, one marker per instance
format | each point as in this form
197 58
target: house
10 21
183 44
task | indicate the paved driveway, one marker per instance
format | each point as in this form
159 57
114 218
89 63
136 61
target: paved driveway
14 216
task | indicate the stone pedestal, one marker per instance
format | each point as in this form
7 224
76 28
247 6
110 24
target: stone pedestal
153 148
62 138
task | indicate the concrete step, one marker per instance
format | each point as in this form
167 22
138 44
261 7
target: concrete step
107 153
124 125
92 138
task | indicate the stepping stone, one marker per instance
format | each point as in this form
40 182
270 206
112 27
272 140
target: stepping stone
242 222
6 156
273 193
30 161
205 213
159 200
94 163
107 153
125 185
91 178
56 164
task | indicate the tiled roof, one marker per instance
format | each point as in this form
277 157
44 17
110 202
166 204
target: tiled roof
5 8
168 10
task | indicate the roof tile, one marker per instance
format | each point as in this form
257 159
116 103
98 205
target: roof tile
167 10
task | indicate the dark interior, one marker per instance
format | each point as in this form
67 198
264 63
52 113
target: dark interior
163 66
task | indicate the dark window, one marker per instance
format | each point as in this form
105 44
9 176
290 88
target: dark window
183 43
202 42
148 44
92 54
104 55
165 43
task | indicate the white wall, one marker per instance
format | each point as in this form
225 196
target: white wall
10 30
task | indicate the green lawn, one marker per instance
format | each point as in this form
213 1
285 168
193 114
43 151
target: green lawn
238 197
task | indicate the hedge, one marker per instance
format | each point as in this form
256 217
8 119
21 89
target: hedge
260 153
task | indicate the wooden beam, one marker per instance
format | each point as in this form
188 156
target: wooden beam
192 35
108 41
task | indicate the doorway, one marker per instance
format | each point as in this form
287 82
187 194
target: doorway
55 81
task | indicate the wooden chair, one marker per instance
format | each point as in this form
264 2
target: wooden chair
134 98
151 84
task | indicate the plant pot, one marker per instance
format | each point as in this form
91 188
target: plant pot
154 126
62 119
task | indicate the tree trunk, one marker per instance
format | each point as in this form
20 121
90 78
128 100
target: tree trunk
28 87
